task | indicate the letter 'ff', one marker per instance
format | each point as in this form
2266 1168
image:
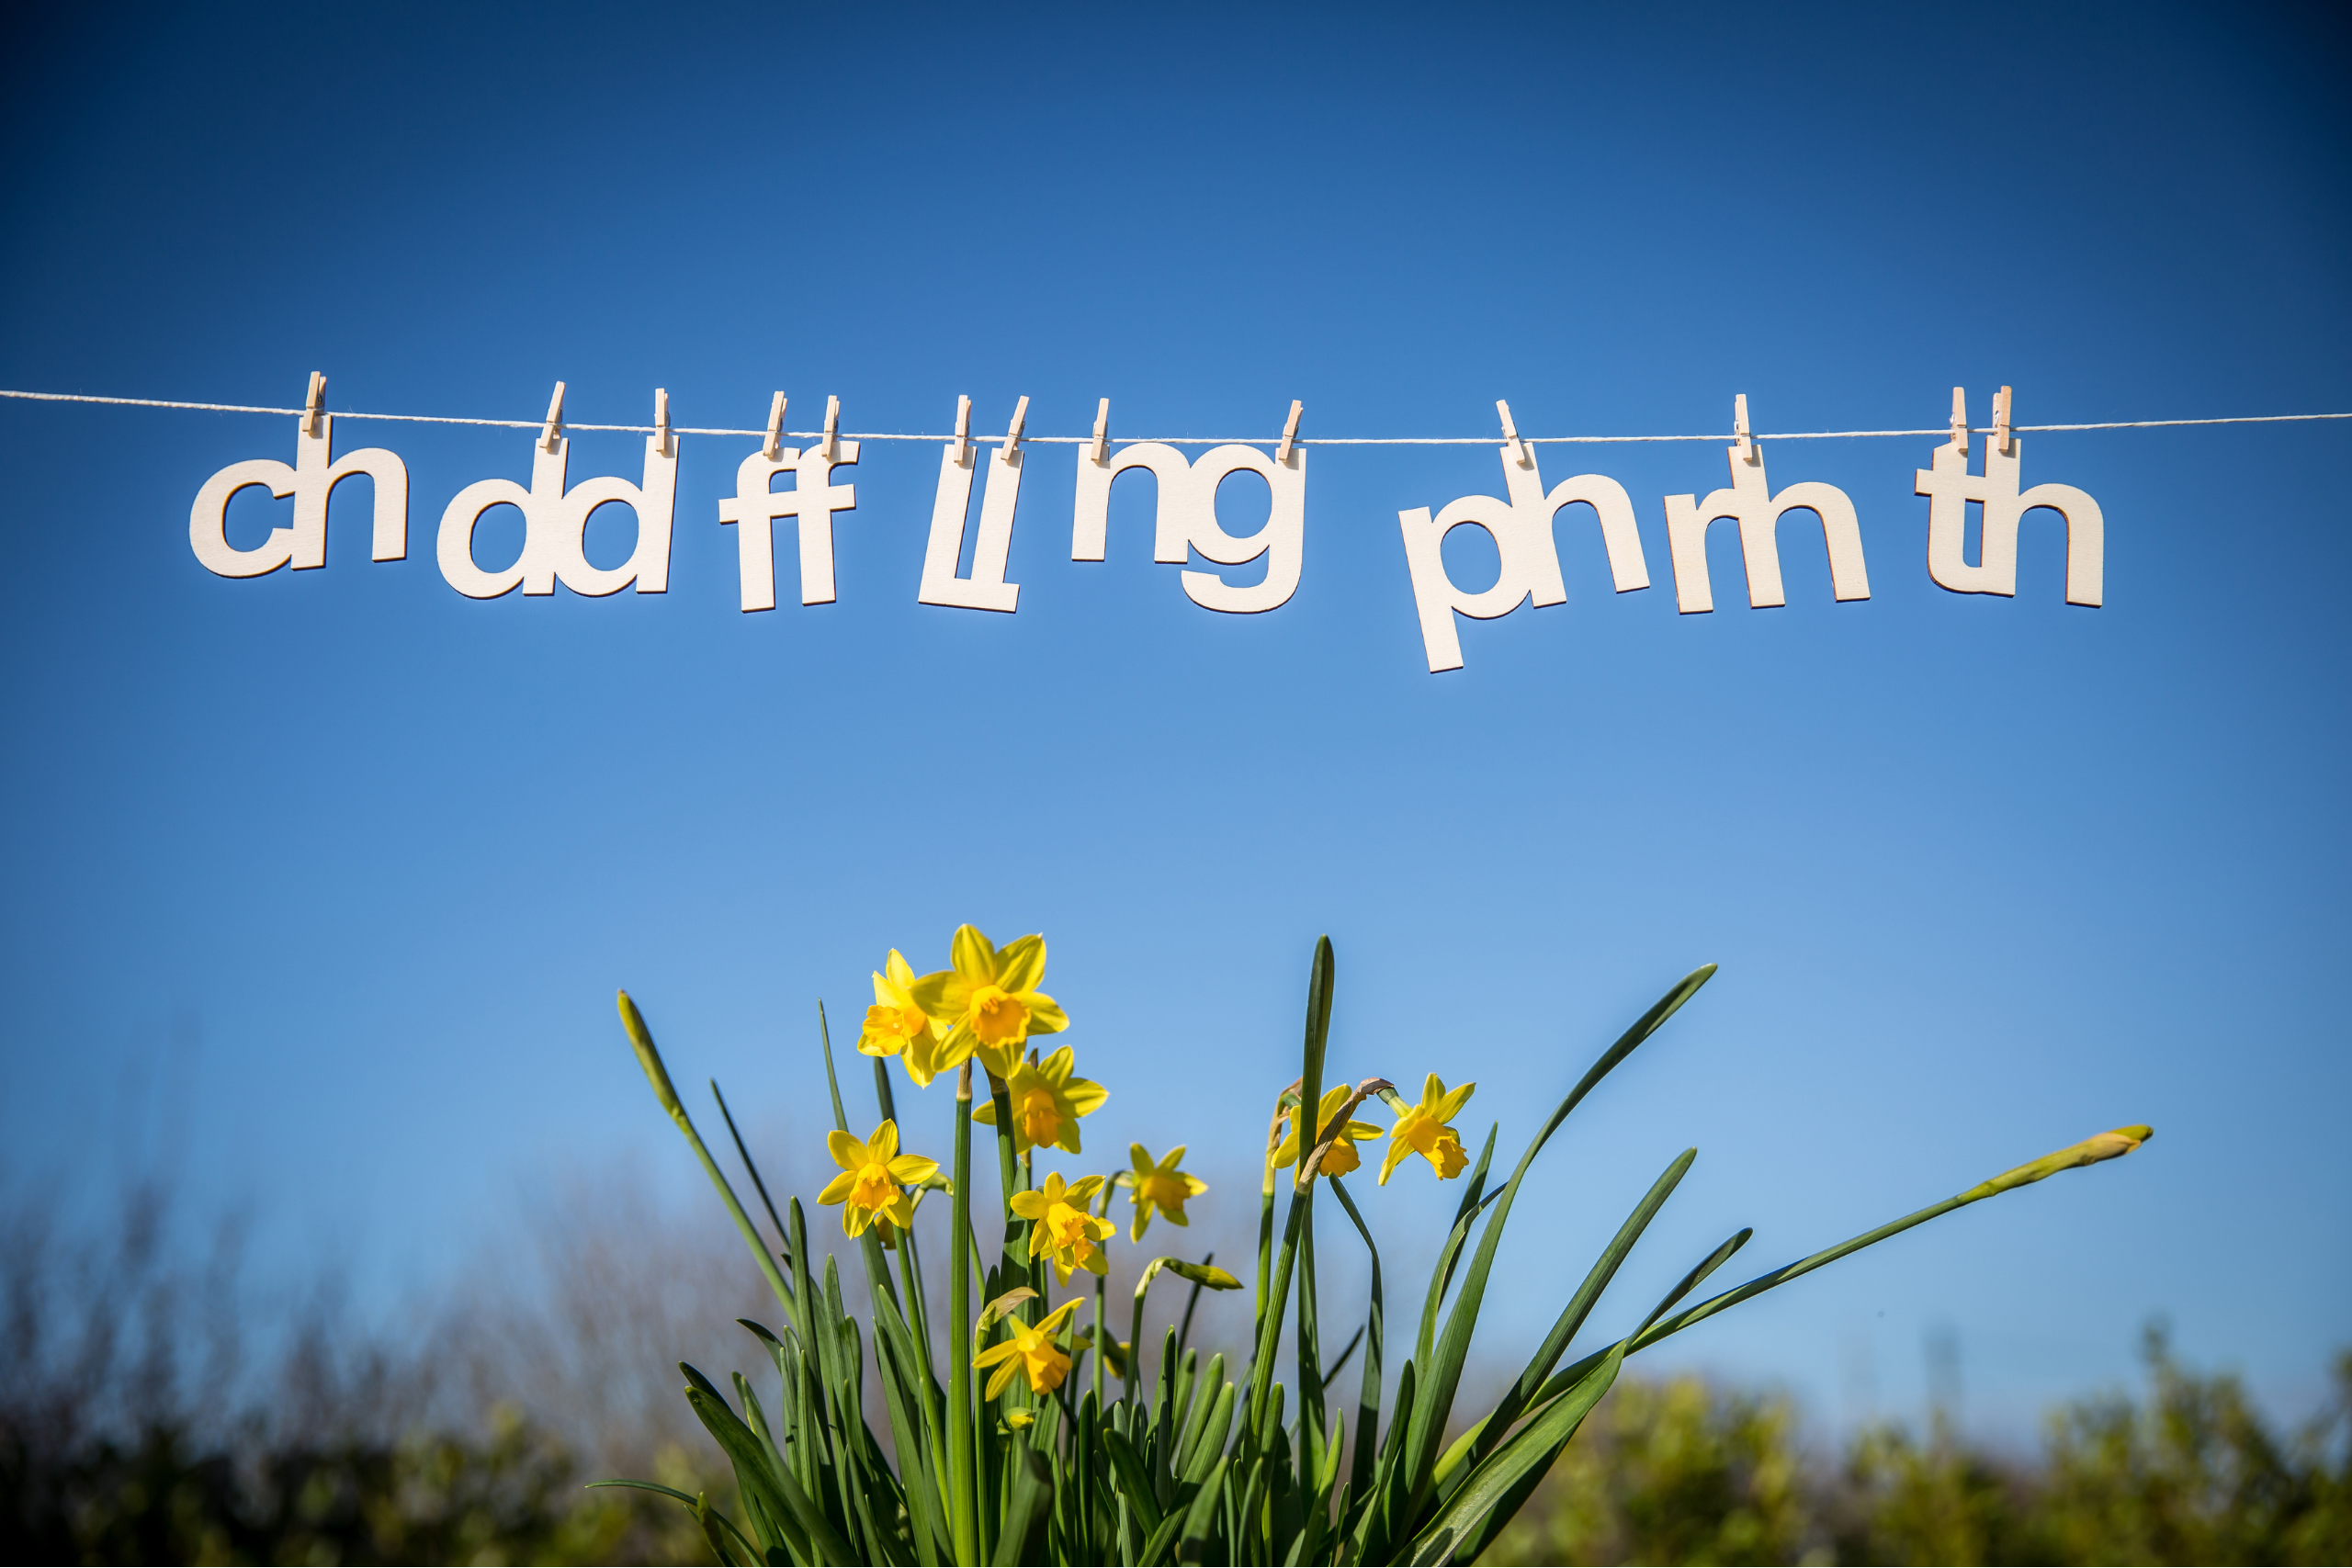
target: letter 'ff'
310 481
557 522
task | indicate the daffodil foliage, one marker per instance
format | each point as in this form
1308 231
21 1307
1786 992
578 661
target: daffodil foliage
999 1434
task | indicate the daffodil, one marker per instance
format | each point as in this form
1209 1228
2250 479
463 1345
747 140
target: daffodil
1422 1130
894 1022
1060 1227
1047 1104
1161 1186
987 1001
873 1173
1030 1350
1341 1157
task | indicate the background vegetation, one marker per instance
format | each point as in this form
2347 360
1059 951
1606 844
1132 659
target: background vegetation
156 1406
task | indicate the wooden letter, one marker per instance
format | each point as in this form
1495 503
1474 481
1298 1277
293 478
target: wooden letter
1186 518
754 508
986 588
1752 503
556 521
310 481
1521 528
1950 487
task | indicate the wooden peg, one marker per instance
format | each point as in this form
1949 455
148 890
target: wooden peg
963 431
1290 433
1103 431
1512 443
1012 435
833 428
775 429
1960 419
1741 440
314 403
2001 422
554 431
662 421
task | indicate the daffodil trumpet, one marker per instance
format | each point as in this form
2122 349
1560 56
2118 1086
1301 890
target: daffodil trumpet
1000 1451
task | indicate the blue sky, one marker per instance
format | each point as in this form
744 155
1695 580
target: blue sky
1983 875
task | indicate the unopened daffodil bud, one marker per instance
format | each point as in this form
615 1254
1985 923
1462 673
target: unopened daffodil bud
2106 1146
641 1038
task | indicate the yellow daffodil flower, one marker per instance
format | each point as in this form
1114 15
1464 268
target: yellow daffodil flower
872 1174
894 1022
1047 1104
1161 1186
987 1001
1342 1158
1061 1228
1422 1130
1031 1351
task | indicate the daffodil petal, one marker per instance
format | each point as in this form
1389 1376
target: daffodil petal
838 1190
973 956
847 1152
884 1145
1029 1205
985 1111
1453 1104
1086 1095
1021 963
912 1168
1397 1150
901 973
1045 1015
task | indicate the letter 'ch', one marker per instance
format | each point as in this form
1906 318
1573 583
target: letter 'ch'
310 481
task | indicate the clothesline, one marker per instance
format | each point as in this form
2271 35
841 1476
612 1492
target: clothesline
1261 440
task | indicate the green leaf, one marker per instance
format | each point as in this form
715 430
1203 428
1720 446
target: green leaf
1134 1480
775 1490
1033 1495
1530 1451
1480 1440
1200 1520
1368 1385
1434 1404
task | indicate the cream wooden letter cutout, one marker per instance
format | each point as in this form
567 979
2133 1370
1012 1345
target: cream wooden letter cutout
1186 517
555 520
1752 502
814 498
1950 487
986 588
1521 528
310 481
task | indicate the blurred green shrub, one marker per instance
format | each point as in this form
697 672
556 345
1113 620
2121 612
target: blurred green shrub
1681 1471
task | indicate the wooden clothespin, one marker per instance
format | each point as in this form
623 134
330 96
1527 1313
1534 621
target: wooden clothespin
1742 441
1012 435
2001 438
1103 430
314 403
963 431
1513 444
775 441
1960 419
832 427
554 431
662 421
1290 433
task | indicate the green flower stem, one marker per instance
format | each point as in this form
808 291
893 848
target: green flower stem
961 1457
649 1058
1102 1299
